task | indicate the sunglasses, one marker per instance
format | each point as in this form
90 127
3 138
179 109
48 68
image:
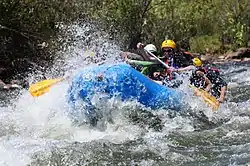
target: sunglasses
167 50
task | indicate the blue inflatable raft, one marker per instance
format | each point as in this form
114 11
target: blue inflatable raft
123 81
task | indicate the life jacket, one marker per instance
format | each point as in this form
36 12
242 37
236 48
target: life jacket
178 60
208 71
182 59
198 82
188 53
216 71
212 74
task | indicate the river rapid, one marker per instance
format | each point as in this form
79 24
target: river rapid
37 131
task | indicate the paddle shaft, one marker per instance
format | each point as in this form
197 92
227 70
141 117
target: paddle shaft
164 64
143 63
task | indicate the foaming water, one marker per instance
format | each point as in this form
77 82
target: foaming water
38 131
29 124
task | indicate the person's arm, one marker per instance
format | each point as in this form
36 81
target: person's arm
208 84
222 94
124 56
140 45
140 49
145 56
129 55
191 67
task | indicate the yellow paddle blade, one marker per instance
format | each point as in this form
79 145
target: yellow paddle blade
42 87
209 99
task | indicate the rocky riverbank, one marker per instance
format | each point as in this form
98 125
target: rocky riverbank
240 55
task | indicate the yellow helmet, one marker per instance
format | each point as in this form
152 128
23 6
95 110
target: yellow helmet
197 62
168 43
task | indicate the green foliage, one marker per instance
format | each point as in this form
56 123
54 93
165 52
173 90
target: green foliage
208 44
24 25
152 21
203 24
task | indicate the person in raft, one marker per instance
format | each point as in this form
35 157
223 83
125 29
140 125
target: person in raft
146 67
202 77
139 53
175 59
210 79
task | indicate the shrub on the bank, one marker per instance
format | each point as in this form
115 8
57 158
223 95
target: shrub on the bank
215 25
205 44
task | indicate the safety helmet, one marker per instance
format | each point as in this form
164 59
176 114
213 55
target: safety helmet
168 43
150 48
197 62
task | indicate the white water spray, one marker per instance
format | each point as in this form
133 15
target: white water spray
31 126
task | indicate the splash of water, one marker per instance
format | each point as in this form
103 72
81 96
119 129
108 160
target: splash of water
33 127
33 124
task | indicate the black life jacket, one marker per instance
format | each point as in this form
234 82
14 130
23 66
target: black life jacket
211 73
182 59
198 82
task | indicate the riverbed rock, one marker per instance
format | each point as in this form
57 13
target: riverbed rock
241 53
221 57
207 58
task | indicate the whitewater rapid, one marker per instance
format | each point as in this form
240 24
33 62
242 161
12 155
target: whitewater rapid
37 131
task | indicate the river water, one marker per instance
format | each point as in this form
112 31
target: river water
37 131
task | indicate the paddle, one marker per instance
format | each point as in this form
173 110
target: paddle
209 99
143 63
44 86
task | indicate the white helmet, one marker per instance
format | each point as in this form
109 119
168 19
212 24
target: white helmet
150 48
